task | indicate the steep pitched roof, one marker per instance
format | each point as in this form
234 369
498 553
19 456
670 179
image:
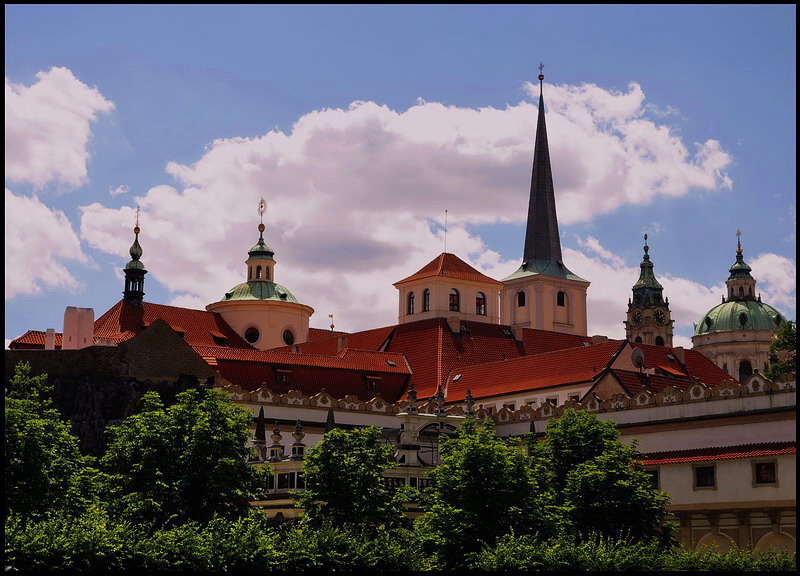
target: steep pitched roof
635 382
720 453
448 265
547 370
694 364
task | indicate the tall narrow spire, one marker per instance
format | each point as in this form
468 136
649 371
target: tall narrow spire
541 238
134 270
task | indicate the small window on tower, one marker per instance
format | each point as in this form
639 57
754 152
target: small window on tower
288 337
560 298
410 308
252 335
258 272
426 300
455 300
520 299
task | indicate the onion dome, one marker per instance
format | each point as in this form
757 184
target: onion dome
739 315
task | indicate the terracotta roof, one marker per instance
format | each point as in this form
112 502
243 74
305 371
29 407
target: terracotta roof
329 346
720 453
362 383
694 364
573 365
539 341
635 382
449 266
364 360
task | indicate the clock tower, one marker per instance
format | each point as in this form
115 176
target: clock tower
649 318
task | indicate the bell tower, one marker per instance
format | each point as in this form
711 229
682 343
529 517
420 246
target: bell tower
649 318
134 271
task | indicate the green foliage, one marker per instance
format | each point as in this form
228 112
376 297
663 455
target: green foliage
596 483
44 469
345 485
784 347
483 488
186 462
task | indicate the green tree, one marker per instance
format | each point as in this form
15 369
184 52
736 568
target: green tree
183 463
597 483
482 489
784 347
345 485
44 469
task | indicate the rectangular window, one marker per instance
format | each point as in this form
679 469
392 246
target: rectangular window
765 473
553 401
531 402
704 477
286 481
511 406
575 397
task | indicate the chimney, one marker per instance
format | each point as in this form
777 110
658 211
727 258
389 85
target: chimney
517 332
78 328
342 343
598 338
50 339
296 349
680 354
454 322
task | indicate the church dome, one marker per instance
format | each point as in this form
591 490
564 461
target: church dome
259 291
739 315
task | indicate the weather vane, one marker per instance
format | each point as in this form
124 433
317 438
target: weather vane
541 68
136 226
262 207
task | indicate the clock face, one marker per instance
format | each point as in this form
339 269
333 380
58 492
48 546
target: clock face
659 316
636 318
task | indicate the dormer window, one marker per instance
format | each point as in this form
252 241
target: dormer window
410 307
480 304
426 300
455 300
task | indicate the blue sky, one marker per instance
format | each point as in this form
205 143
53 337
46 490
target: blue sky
361 125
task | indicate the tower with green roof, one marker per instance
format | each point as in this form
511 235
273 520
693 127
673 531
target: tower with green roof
543 293
649 318
736 334
266 314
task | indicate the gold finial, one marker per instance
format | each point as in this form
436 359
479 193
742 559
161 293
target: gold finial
646 247
331 317
136 226
738 241
541 71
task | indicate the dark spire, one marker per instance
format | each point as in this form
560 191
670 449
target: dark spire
541 238
741 284
261 433
330 421
134 271
647 291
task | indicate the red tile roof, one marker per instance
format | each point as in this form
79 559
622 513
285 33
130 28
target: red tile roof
123 321
363 383
635 382
449 266
720 453
694 364
570 366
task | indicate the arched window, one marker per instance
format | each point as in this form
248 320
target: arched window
455 300
520 299
741 292
659 341
410 307
638 340
258 272
725 366
560 298
266 273
745 370
426 300
480 304
249 273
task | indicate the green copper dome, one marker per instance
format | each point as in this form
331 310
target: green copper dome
261 251
739 315
259 290
545 268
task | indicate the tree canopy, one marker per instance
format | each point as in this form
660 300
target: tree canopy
345 484
783 348
181 463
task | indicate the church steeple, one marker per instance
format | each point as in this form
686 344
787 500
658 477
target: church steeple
135 271
543 293
649 317
542 243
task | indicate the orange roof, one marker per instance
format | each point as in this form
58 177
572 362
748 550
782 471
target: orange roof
559 368
361 382
694 364
450 266
720 453
635 382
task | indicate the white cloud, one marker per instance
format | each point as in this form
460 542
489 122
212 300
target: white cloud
356 196
38 239
118 190
776 281
48 128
